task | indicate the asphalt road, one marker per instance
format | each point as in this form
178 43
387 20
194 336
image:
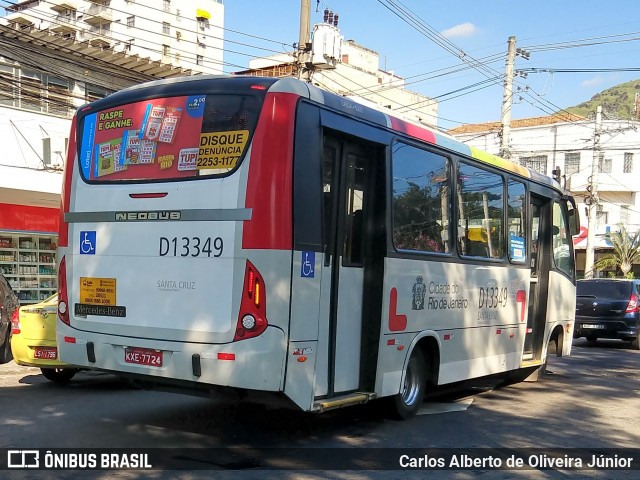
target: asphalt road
590 400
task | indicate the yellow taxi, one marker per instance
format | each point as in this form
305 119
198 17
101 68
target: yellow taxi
33 340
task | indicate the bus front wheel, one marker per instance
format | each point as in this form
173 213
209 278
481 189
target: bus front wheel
406 403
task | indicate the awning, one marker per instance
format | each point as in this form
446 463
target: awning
202 14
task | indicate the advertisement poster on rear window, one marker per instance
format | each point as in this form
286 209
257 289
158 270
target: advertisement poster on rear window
158 139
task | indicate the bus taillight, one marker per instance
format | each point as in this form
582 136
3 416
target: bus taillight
252 320
63 298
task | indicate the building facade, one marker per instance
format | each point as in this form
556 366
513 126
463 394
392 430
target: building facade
607 160
184 33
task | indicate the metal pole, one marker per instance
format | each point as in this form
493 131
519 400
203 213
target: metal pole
593 198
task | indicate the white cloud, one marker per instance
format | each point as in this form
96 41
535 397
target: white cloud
593 82
462 30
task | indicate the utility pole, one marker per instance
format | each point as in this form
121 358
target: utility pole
304 44
592 199
507 99
507 96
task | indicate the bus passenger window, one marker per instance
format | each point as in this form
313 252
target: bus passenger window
421 201
480 197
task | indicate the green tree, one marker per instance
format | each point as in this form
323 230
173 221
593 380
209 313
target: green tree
626 251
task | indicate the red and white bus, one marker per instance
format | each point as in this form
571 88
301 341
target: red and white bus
263 234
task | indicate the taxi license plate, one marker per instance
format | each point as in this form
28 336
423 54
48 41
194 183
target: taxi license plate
143 356
48 353
589 325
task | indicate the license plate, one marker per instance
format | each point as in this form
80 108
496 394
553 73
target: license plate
589 325
143 356
48 353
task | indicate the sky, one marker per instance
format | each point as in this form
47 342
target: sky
423 41
454 51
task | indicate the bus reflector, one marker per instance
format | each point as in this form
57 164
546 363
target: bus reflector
69 339
252 319
226 356
63 300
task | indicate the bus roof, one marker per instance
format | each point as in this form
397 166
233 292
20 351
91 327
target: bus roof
337 102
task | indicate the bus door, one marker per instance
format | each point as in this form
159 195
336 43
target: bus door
539 280
349 175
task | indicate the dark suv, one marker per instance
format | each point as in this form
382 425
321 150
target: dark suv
8 306
608 308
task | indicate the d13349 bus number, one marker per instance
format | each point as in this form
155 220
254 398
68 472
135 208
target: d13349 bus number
191 247
492 297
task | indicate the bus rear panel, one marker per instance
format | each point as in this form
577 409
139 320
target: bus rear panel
159 274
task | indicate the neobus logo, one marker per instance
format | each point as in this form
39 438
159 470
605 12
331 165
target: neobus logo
147 216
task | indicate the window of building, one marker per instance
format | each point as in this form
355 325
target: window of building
166 50
624 214
421 200
571 163
166 28
131 21
480 197
8 85
537 163
199 60
166 5
602 217
93 92
628 163
31 89
58 96
604 164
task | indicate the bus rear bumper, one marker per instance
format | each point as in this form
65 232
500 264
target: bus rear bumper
256 363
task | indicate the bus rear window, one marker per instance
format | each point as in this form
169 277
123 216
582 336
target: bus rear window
167 138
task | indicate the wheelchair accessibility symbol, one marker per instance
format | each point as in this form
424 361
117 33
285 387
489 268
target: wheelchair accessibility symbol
307 269
88 243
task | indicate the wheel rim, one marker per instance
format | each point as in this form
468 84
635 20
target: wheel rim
411 386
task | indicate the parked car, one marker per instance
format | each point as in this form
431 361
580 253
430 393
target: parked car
33 341
608 308
9 304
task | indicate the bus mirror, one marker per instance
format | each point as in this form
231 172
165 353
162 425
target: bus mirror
574 217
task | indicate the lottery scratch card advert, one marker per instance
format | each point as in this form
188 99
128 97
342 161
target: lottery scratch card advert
170 124
147 152
118 161
187 159
152 122
131 152
105 160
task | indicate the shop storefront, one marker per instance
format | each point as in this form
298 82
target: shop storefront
28 242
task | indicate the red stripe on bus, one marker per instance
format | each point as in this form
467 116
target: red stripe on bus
413 130
269 186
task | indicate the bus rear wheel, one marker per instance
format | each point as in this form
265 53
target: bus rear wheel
406 403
